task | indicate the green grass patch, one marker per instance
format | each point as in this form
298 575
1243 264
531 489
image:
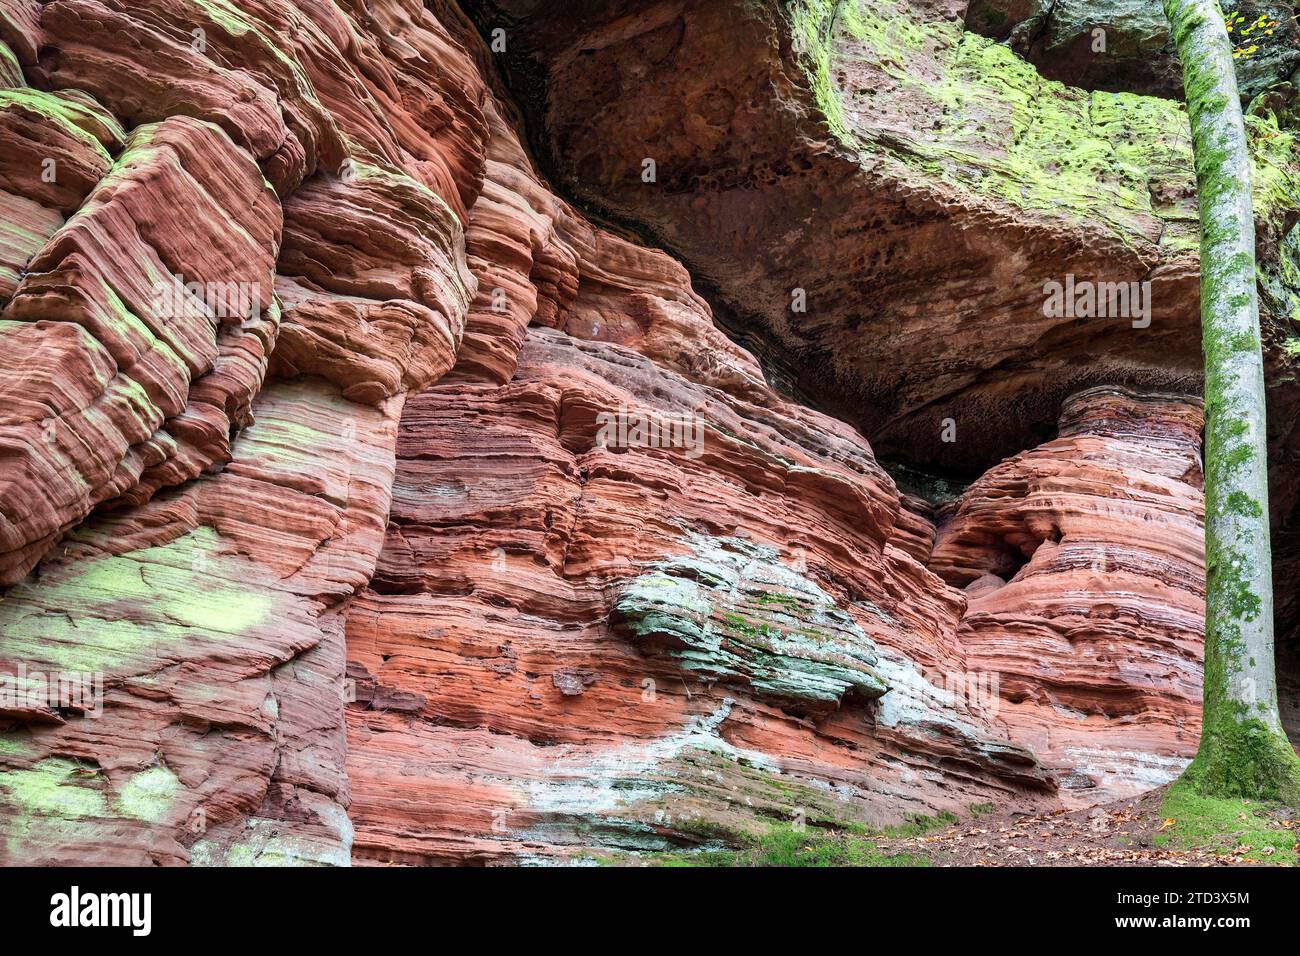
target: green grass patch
1222 825
784 846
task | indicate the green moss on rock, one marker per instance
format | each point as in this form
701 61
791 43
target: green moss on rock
977 117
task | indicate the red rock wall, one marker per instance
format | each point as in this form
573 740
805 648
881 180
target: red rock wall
364 573
1083 564
241 458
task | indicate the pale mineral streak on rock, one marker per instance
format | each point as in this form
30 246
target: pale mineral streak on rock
731 612
486 591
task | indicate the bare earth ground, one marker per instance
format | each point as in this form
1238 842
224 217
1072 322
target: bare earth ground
1125 833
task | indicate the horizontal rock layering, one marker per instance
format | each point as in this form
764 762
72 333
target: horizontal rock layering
406 515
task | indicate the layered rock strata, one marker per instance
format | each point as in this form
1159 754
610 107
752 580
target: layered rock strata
890 207
1082 561
406 515
241 499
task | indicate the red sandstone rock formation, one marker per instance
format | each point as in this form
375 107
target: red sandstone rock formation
213 613
371 558
917 183
1082 562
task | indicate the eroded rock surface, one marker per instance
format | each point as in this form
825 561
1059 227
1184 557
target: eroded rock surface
880 202
238 513
888 195
1082 562
431 521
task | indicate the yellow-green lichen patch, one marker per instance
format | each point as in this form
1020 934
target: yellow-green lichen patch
61 802
14 745
811 24
229 17
237 23
1279 285
122 612
51 108
11 71
55 787
53 803
149 794
285 445
266 842
1275 187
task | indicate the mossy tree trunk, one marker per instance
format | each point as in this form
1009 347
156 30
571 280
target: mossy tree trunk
1243 751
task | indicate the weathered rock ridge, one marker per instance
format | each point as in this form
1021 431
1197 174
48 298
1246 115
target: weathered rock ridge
406 514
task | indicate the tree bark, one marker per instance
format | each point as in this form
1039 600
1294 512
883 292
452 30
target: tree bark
1244 751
